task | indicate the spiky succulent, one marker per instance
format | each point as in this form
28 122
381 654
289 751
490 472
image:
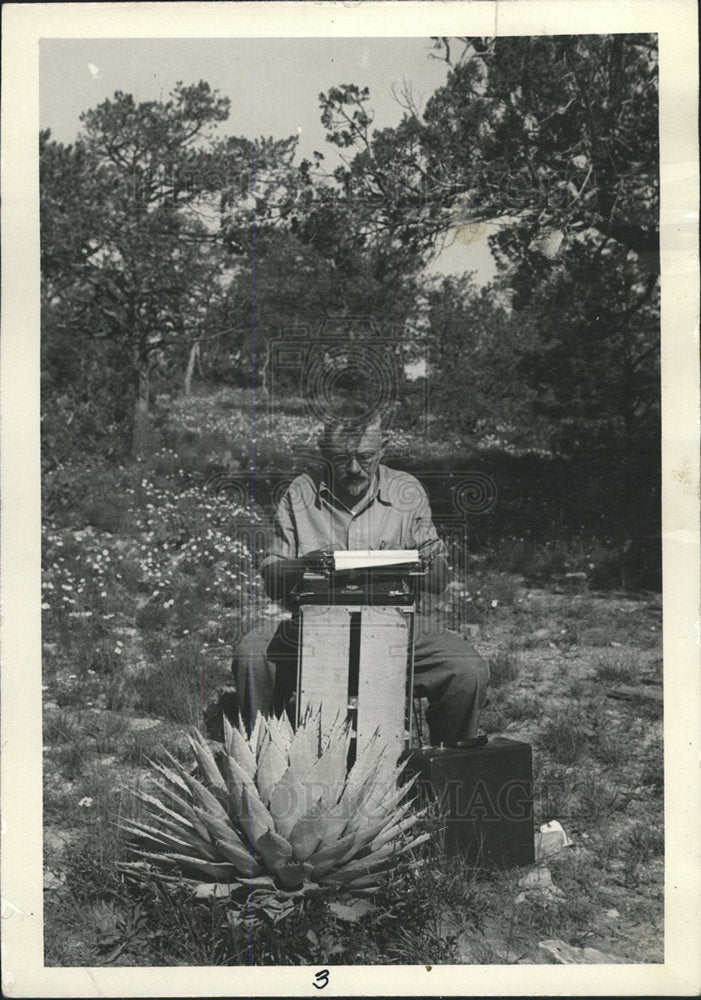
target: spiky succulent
278 811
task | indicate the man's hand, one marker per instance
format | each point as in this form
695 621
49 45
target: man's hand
433 559
319 557
280 576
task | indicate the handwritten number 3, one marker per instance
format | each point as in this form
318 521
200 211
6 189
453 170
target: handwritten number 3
323 976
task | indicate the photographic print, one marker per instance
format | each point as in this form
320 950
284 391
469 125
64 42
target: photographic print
351 371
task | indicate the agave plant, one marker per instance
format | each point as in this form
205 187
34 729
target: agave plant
278 811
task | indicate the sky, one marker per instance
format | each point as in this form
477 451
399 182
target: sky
273 84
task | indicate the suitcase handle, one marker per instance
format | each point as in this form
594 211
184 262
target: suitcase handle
475 741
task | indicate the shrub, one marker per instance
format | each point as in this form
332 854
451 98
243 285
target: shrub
618 668
564 736
643 841
178 686
503 667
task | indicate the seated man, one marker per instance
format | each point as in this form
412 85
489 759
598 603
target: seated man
359 504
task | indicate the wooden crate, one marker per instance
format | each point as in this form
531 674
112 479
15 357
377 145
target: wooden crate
356 662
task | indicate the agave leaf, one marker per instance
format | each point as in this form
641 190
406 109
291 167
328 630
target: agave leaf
229 844
333 826
306 835
328 773
293 873
222 871
287 803
155 804
228 732
396 829
173 777
175 799
275 736
141 870
187 810
219 825
372 825
380 802
272 764
203 798
184 806
304 748
393 799
184 831
258 882
236 780
257 734
400 789
363 866
255 818
362 774
207 763
161 838
382 791
324 859
240 749
286 731
369 881
274 849
361 838
245 863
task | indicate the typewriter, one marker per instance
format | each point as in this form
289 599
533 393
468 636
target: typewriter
377 576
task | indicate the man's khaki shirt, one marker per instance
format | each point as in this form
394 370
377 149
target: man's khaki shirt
393 514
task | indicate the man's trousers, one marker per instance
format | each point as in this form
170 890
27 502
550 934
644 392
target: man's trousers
447 670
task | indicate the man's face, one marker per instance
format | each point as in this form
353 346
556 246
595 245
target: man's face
354 459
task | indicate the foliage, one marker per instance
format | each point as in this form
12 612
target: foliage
130 250
556 133
476 347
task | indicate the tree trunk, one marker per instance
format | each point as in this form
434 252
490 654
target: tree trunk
264 387
194 356
142 439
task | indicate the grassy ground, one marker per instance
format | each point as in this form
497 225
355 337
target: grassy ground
147 584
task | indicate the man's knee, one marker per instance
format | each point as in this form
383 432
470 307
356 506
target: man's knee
469 672
251 646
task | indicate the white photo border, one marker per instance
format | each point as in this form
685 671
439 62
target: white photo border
675 23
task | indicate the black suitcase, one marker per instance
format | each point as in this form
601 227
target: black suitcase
484 790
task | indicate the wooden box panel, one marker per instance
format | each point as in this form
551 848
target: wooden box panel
382 677
356 662
322 678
